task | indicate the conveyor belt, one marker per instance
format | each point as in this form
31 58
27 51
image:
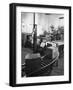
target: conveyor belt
44 67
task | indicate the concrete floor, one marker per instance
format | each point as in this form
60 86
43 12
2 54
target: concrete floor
59 70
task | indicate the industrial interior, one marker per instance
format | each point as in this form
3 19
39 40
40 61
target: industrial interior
42 49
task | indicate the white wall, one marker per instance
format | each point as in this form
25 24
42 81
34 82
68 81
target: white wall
42 20
4 44
27 22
